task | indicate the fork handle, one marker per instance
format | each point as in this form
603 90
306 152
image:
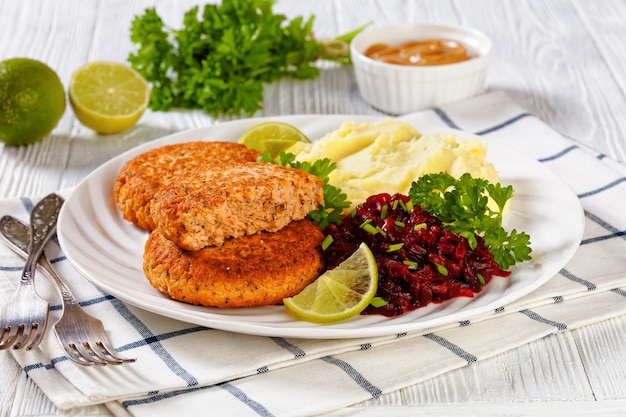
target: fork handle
16 235
43 221
66 294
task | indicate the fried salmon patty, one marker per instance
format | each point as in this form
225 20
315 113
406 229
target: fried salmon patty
142 176
249 271
213 204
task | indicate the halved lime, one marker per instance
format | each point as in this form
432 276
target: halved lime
108 97
273 137
340 293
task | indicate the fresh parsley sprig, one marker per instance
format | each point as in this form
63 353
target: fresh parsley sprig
223 54
334 199
463 206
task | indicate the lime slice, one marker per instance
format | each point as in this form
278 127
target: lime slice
273 137
299 147
339 293
108 97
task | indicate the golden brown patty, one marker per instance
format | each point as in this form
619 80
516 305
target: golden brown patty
141 177
249 271
216 203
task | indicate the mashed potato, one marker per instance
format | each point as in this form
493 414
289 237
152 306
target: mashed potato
388 156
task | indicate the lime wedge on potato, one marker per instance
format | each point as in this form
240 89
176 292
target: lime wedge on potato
273 137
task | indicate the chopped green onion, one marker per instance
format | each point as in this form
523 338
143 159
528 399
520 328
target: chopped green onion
471 239
442 270
395 247
403 205
366 222
369 228
395 204
410 264
409 206
381 231
328 240
419 226
399 223
481 279
378 302
383 211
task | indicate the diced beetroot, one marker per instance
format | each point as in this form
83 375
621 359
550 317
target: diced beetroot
419 261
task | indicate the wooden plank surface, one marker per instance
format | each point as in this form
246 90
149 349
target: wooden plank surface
562 60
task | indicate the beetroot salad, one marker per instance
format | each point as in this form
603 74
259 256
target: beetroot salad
419 261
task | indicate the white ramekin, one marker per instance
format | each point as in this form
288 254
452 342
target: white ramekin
400 89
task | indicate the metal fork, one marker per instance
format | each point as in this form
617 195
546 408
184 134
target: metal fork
24 318
81 335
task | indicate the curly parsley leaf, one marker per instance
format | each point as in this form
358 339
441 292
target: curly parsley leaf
335 201
223 54
463 206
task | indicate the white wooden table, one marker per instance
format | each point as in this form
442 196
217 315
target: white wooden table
562 60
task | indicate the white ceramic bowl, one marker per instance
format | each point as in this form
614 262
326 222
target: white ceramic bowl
400 89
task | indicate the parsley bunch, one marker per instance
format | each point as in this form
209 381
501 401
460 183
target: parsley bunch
462 205
334 199
220 59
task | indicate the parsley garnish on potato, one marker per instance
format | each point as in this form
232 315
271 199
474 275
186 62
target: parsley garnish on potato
463 206
221 57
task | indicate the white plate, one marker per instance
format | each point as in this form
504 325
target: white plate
108 250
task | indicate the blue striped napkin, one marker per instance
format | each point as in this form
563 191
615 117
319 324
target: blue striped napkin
188 369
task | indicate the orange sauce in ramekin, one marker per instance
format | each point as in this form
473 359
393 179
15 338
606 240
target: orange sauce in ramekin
424 52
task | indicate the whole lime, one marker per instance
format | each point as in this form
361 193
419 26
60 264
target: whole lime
32 100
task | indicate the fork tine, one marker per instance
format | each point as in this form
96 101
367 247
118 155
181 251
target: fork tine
77 358
4 335
102 355
112 353
88 355
39 332
9 336
29 335
82 356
